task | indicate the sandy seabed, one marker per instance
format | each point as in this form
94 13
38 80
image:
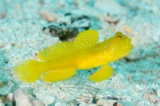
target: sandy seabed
136 80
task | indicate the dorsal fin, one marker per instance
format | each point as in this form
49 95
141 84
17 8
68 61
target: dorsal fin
56 50
84 40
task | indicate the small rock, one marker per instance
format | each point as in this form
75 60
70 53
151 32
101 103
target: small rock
152 98
59 104
127 29
48 16
47 99
86 98
37 103
7 47
110 19
17 7
92 105
21 98
1 44
158 92
3 15
109 5
10 97
1 103
156 36
50 99
135 54
104 102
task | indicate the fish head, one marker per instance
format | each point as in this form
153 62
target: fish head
120 45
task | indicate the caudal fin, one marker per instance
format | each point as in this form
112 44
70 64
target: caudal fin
28 71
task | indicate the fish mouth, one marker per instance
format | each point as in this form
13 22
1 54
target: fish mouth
128 45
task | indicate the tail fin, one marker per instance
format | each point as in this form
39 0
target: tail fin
28 71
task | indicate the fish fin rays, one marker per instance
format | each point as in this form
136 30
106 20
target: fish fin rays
102 74
56 50
84 40
58 75
28 71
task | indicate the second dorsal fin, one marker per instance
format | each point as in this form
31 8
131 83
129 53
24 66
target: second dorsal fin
84 40
56 50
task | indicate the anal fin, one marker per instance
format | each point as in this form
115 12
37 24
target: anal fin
102 74
58 75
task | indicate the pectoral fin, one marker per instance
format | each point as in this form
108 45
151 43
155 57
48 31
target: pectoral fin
102 74
58 75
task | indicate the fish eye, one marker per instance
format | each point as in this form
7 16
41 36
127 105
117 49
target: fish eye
119 35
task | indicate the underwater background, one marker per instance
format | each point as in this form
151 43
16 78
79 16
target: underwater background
29 26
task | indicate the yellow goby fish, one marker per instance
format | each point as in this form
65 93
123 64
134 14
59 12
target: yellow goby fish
60 61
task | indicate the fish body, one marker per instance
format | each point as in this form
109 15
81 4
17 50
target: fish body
60 61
